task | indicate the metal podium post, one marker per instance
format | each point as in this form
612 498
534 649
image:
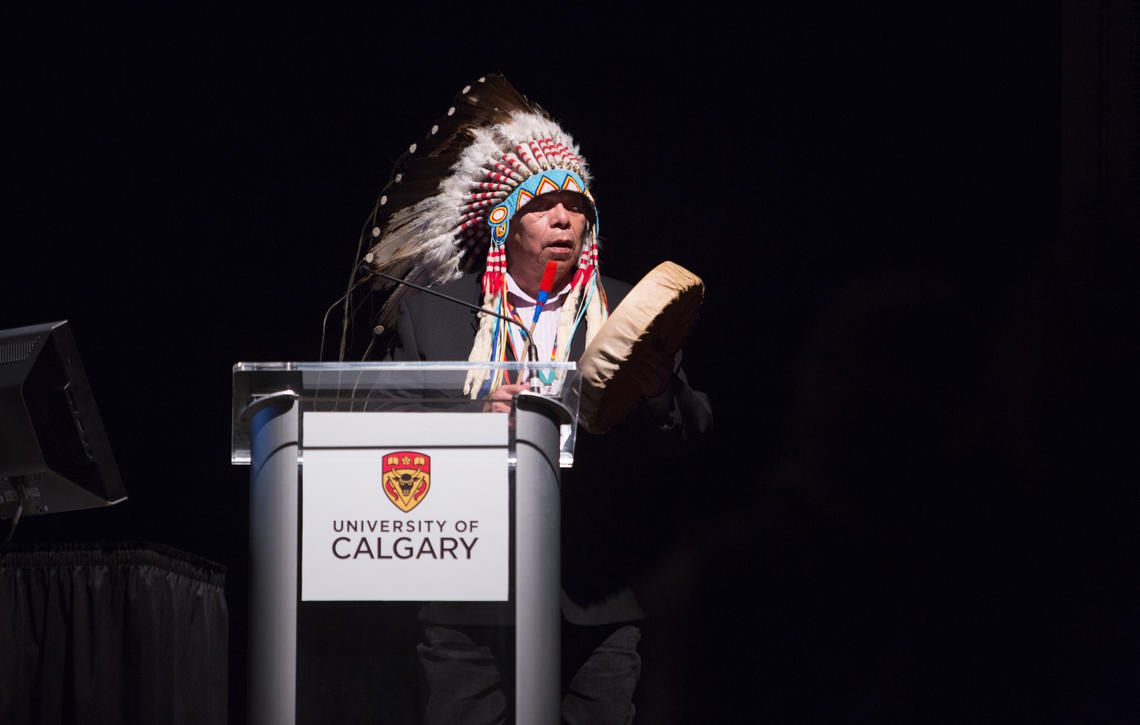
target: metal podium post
538 559
273 496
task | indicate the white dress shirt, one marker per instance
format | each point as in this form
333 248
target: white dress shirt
545 330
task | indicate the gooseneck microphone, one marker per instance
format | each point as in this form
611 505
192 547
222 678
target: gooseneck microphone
325 319
531 350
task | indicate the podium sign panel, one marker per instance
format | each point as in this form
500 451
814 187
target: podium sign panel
394 508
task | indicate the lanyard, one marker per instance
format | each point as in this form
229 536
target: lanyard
546 377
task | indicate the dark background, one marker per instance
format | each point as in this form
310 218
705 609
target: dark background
912 224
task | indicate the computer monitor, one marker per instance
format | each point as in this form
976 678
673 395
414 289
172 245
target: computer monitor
54 452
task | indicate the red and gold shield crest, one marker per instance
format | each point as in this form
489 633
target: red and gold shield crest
406 478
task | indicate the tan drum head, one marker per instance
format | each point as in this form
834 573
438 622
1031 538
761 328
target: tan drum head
653 320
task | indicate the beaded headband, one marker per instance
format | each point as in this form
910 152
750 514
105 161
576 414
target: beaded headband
543 183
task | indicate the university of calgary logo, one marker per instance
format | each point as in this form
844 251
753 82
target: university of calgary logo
406 478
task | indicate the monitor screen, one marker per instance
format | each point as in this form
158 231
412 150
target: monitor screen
54 452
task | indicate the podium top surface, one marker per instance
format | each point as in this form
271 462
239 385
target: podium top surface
373 387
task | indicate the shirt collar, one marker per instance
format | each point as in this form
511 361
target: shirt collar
514 289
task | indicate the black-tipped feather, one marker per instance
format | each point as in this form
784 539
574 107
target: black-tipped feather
490 100
416 176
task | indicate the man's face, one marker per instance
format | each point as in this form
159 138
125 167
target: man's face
550 227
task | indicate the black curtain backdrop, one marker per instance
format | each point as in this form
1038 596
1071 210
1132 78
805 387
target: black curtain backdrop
911 222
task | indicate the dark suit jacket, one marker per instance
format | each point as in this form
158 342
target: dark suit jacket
619 499
430 328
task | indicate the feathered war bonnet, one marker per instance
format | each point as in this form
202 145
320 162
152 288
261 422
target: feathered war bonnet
447 210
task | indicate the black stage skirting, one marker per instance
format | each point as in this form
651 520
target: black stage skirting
111 633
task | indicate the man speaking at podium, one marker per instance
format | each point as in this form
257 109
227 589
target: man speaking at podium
497 187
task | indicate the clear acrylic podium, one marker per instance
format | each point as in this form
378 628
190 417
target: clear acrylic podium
379 489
